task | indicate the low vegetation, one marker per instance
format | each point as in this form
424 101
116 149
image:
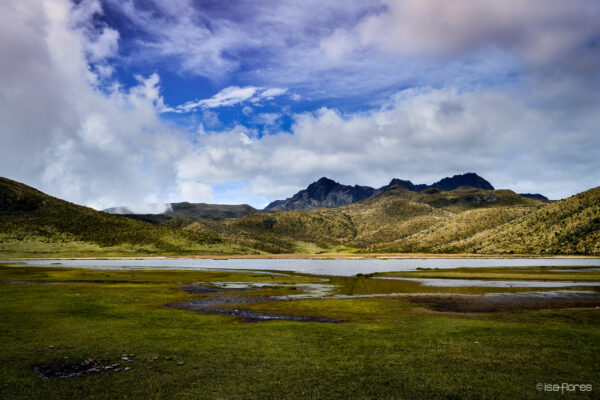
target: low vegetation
398 220
570 226
35 224
461 221
388 347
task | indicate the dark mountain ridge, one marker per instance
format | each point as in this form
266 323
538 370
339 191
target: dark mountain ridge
326 193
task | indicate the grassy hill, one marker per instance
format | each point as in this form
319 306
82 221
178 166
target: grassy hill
35 224
464 220
569 226
397 220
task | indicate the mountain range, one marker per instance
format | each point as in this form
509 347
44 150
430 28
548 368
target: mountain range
395 220
326 193
185 210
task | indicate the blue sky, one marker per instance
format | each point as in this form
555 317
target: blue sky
138 103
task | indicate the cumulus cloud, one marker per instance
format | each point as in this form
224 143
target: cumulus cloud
71 129
194 192
420 136
542 32
64 133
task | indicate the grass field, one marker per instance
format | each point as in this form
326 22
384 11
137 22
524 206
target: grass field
387 347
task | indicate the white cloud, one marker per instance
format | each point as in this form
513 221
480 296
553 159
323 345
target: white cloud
338 45
195 192
207 40
69 131
542 32
423 137
64 135
230 96
270 94
268 119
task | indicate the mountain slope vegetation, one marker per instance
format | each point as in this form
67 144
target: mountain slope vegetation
32 222
464 220
569 226
398 220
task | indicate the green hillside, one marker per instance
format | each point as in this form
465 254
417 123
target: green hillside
569 226
397 220
35 224
464 220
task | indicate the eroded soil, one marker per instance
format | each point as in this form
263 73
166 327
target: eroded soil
222 304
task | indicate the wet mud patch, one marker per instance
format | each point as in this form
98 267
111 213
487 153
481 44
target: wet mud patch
202 289
215 301
502 303
222 305
68 370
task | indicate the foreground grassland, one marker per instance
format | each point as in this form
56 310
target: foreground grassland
389 347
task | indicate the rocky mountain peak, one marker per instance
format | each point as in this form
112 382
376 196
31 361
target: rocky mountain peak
469 179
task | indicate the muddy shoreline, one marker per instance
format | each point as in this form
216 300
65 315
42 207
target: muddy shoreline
502 303
222 304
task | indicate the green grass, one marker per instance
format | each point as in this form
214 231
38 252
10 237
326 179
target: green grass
33 224
390 348
395 221
569 226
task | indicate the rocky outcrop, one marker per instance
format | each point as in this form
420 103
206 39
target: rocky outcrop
326 193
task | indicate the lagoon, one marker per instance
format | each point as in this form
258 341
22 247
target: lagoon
331 267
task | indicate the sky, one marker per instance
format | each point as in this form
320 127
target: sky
139 103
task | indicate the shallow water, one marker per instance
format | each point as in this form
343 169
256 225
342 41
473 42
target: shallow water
307 290
361 287
492 283
352 286
336 267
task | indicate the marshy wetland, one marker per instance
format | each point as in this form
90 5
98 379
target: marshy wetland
110 329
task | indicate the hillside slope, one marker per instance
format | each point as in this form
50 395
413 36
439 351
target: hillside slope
32 222
465 220
386 222
569 226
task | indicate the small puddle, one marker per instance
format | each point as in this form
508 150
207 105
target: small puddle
307 290
462 295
